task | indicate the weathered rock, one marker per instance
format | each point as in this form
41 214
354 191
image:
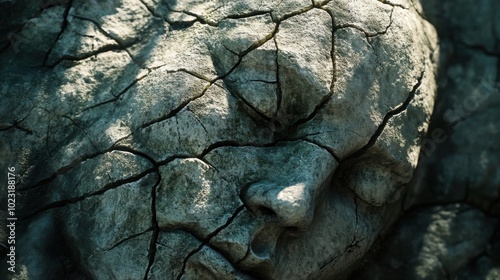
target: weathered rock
120 225
91 177
362 99
459 159
248 139
433 243
463 164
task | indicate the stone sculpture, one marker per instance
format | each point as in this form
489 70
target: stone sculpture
215 139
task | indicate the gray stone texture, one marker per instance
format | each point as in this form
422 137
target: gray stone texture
189 139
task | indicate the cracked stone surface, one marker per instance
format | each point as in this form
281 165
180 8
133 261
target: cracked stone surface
188 139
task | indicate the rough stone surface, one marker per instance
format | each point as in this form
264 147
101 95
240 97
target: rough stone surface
433 243
459 159
251 139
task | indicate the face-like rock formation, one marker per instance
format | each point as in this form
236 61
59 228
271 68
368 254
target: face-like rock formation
214 139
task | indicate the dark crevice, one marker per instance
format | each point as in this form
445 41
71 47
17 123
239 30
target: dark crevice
84 158
135 152
156 228
386 119
63 28
81 159
326 98
357 196
264 81
223 76
172 158
367 34
103 49
254 46
194 74
117 97
62 170
117 40
355 200
320 4
419 13
105 188
176 110
393 4
222 144
328 149
173 26
261 114
196 16
247 253
250 14
45 5
16 125
332 259
452 126
295 13
208 238
150 10
230 50
96 24
304 136
355 244
180 25
230 143
332 55
495 234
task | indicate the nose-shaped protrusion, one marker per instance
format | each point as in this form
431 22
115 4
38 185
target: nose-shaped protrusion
290 206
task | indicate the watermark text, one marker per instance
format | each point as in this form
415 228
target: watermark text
11 218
